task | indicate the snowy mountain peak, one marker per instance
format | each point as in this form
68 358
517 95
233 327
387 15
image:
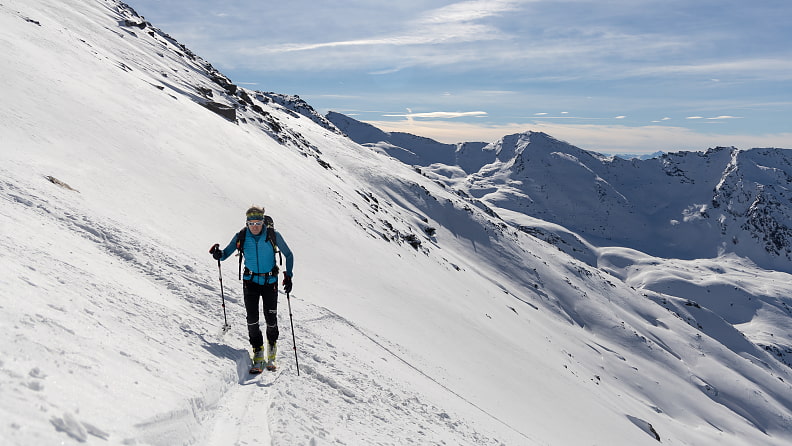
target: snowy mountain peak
754 191
512 145
360 132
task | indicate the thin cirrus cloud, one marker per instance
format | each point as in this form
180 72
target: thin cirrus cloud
619 66
437 115
773 68
474 33
467 11
714 118
454 23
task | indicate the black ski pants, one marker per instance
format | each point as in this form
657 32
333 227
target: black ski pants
268 294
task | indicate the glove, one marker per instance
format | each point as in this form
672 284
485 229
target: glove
287 283
216 252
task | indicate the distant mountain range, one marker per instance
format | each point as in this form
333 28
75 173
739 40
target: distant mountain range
678 205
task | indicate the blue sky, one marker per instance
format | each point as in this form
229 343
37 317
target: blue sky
615 76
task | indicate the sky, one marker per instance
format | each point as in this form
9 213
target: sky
620 76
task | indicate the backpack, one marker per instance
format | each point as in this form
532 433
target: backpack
269 227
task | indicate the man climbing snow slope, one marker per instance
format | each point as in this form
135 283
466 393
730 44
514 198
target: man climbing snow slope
258 243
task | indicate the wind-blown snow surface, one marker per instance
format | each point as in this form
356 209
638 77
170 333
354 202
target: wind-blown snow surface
419 317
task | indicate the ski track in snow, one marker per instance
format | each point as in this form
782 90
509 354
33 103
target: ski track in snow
352 395
337 394
237 419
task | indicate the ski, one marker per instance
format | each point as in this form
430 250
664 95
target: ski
258 363
263 363
257 368
272 351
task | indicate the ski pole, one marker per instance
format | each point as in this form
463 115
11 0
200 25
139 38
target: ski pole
294 341
226 327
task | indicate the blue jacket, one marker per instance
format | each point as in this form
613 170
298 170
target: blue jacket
259 255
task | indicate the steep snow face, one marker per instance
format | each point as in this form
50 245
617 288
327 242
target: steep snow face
753 197
423 151
416 150
682 205
359 132
419 314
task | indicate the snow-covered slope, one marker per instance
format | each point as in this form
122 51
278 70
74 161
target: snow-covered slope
420 316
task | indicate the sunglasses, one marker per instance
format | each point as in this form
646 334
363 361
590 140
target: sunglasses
255 223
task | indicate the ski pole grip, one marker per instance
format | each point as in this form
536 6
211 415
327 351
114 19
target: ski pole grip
214 248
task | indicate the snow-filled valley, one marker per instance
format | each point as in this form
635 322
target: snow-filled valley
430 305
